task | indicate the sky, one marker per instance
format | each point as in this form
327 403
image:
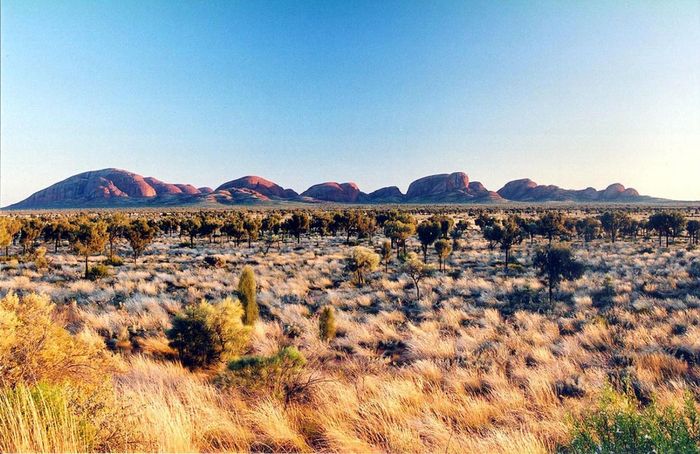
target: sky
569 93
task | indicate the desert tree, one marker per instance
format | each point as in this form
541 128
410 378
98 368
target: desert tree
5 235
362 261
116 229
416 269
90 238
508 234
556 264
443 248
693 228
667 224
272 223
233 228
190 226
209 227
326 324
551 224
588 228
31 230
297 224
612 222
385 252
446 224
140 233
247 292
341 223
168 225
252 225
10 228
321 223
399 231
57 230
364 224
529 227
204 334
428 232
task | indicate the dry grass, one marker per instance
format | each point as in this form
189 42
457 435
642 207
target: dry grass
462 370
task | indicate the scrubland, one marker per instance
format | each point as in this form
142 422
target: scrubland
481 362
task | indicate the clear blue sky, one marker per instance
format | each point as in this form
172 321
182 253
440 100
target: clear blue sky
378 92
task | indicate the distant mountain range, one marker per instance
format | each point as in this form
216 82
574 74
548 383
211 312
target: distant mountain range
119 188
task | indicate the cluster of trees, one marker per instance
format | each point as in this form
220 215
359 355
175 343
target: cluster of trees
95 234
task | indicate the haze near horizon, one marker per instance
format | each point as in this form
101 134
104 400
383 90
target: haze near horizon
379 93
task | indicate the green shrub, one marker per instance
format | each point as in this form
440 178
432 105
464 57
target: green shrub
96 272
247 292
114 261
276 374
621 425
205 334
326 324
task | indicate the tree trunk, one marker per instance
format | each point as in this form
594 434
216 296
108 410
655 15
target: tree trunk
86 266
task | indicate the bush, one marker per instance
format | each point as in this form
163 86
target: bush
96 272
205 334
114 261
214 261
362 261
326 323
247 292
620 425
34 347
39 257
277 374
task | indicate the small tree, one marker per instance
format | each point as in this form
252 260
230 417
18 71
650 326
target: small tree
556 264
233 228
362 261
252 225
190 227
416 270
326 324
443 248
552 223
140 233
247 293
90 238
31 229
399 232
385 253
428 233
693 229
56 231
297 225
588 228
116 228
5 236
205 334
508 234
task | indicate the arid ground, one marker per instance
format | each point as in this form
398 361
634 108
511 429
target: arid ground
480 361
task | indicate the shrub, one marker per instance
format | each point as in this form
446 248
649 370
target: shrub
214 261
34 347
620 425
98 271
114 261
205 334
326 323
247 293
362 261
276 374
